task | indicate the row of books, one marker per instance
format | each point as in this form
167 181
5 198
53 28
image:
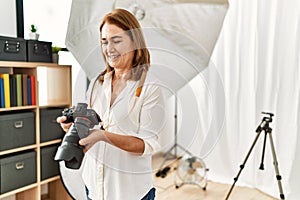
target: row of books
17 90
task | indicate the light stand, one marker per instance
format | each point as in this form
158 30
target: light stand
263 126
162 172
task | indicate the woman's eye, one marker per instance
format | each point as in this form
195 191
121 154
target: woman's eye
116 42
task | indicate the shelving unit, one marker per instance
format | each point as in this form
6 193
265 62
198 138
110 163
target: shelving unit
53 90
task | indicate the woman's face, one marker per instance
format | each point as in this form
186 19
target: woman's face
117 47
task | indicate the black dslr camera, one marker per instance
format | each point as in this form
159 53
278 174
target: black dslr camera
83 119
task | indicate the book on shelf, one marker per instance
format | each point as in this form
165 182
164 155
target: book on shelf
6 89
24 89
19 89
33 90
13 90
2 100
29 91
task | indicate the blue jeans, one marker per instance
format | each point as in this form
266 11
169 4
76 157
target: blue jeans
149 196
87 193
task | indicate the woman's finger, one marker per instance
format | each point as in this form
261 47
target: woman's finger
61 119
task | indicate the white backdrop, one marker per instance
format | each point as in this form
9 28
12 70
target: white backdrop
254 68
257 56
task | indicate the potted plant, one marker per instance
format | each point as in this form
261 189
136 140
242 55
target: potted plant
55 51
33 35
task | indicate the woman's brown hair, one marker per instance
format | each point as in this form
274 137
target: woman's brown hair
127 22
141 60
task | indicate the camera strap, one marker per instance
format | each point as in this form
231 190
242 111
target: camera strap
138 90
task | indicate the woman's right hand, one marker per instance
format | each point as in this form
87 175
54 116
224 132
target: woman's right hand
64 126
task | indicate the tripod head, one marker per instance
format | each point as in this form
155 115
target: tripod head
269 118
265 122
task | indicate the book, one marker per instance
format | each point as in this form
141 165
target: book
33 91
19 89
6 89
13 90
2 100
24 90
29 91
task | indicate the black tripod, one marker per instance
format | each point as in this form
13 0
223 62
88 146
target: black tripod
263 126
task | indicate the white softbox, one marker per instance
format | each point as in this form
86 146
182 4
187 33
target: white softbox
178 34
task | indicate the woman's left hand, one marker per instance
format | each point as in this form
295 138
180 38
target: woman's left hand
94 136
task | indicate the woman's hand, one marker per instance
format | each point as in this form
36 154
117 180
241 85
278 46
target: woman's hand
64 126
94 136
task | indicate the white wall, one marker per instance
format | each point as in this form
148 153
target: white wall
8 25
51 17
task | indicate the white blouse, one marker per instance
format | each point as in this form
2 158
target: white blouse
109 172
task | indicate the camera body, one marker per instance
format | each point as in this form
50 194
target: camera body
83 119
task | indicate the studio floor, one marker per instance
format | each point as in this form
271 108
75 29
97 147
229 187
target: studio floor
166 190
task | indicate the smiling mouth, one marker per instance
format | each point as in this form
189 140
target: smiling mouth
113 57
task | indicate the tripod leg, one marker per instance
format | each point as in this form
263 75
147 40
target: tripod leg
243 165
174 147
162 165
261 167
278 176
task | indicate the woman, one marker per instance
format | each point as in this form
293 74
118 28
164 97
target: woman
130 103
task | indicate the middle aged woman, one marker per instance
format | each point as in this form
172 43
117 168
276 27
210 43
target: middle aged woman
131 104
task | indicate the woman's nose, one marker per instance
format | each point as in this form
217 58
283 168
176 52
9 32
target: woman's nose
110 47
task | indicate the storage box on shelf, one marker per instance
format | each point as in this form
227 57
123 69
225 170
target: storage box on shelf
19 49
39 51
13 49
49 128
17 170
29 135
49 167
21 129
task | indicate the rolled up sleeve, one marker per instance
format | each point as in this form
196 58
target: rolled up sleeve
152 119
